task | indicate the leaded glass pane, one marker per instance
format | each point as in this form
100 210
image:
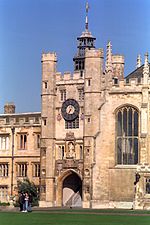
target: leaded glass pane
119 123
135 123
130 150
119 150
125 122
135 150
130 122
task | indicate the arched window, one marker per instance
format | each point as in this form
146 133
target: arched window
127 136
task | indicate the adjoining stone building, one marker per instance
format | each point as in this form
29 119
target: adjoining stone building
19 149
93 130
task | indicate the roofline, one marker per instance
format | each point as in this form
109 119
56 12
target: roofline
20 114
134 71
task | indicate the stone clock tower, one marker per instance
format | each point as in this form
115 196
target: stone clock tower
66 159
92 144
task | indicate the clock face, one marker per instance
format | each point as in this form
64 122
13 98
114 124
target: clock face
70 110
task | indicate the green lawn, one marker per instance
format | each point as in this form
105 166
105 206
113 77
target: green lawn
74 218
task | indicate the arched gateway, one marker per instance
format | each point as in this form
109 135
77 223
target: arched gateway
71 189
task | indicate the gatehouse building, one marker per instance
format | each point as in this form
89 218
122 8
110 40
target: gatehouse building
90 144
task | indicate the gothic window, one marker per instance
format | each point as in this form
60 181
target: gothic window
23 141
45 84
79 65
4 170
63 152
37 140
7 120
17 119
3 193
44 122
26 119
36 119
89 82
73 124
115 80
22 169
36 170
63 95
4 142
127 136
81 94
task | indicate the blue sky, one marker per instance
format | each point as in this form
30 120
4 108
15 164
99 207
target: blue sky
28 27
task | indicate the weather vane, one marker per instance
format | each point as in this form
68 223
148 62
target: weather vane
86 22
87 7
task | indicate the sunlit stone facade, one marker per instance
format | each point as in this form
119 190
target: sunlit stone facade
93 130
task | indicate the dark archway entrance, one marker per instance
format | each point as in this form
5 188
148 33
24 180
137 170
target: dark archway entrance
72 191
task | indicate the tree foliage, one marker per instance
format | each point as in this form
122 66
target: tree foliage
28 186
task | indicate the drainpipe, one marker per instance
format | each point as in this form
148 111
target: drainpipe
12 161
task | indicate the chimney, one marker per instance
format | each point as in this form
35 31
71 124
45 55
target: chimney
9 108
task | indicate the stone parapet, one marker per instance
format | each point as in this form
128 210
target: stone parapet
50 56
118 59
124 84
94 53
68 76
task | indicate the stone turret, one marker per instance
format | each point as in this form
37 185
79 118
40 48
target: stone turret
9 108
92 98
48 127
118 66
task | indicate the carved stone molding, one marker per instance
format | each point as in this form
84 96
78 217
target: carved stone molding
144 105
70 136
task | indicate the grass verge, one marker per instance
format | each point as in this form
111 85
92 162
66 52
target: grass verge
75 218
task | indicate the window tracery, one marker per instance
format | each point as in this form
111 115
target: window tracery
127 135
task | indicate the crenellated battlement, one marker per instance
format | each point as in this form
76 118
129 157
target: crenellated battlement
96 53
68 76
50 56
117 59
132 83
